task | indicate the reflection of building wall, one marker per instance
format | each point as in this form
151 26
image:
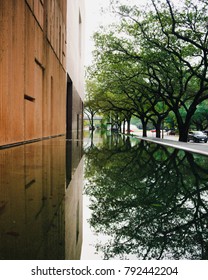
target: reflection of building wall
32 69
32 205
74 184
73 237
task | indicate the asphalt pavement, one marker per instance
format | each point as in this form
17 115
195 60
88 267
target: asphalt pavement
172 141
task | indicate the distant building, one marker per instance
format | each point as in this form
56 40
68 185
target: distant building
41 69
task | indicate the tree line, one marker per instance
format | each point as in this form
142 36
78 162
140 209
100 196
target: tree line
152 64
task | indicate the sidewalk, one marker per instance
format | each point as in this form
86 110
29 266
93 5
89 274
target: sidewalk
172 141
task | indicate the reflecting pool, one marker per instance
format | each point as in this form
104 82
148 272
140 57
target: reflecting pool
41 200
146 201
140 201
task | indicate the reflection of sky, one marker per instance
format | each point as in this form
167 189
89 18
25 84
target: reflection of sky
89 238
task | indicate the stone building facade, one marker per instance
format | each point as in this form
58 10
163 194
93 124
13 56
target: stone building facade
34 69
41 93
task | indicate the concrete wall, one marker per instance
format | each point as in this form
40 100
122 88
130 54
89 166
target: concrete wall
75 65
75 44
32 69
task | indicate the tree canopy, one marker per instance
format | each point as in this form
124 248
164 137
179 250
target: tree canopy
153 61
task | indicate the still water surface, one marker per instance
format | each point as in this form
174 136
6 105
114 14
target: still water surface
147 201
139 200
41 200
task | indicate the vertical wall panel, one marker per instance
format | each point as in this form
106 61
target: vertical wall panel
28 60
16 75
11 71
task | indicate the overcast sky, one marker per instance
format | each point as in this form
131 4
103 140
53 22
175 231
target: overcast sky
95 18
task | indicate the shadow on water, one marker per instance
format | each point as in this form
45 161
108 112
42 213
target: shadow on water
41 200
150 201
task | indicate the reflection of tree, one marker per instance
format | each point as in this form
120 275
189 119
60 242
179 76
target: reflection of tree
151 200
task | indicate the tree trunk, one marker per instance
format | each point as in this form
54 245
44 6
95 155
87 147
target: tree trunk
119 126
157 126
144 128
128 143
124 126
183 133
128 125
92 122
183 127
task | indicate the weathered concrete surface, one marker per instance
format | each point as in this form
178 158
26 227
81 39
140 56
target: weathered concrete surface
32 69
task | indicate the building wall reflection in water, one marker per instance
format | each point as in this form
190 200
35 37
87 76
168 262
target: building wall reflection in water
40 210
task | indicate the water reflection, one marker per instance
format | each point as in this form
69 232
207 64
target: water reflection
41 200
151 201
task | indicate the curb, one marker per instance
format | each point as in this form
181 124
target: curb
178 145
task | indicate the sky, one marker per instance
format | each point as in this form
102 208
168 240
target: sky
95 18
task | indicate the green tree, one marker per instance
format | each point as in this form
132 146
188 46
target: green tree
125 79
200 118
170 43
90 104
178 34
